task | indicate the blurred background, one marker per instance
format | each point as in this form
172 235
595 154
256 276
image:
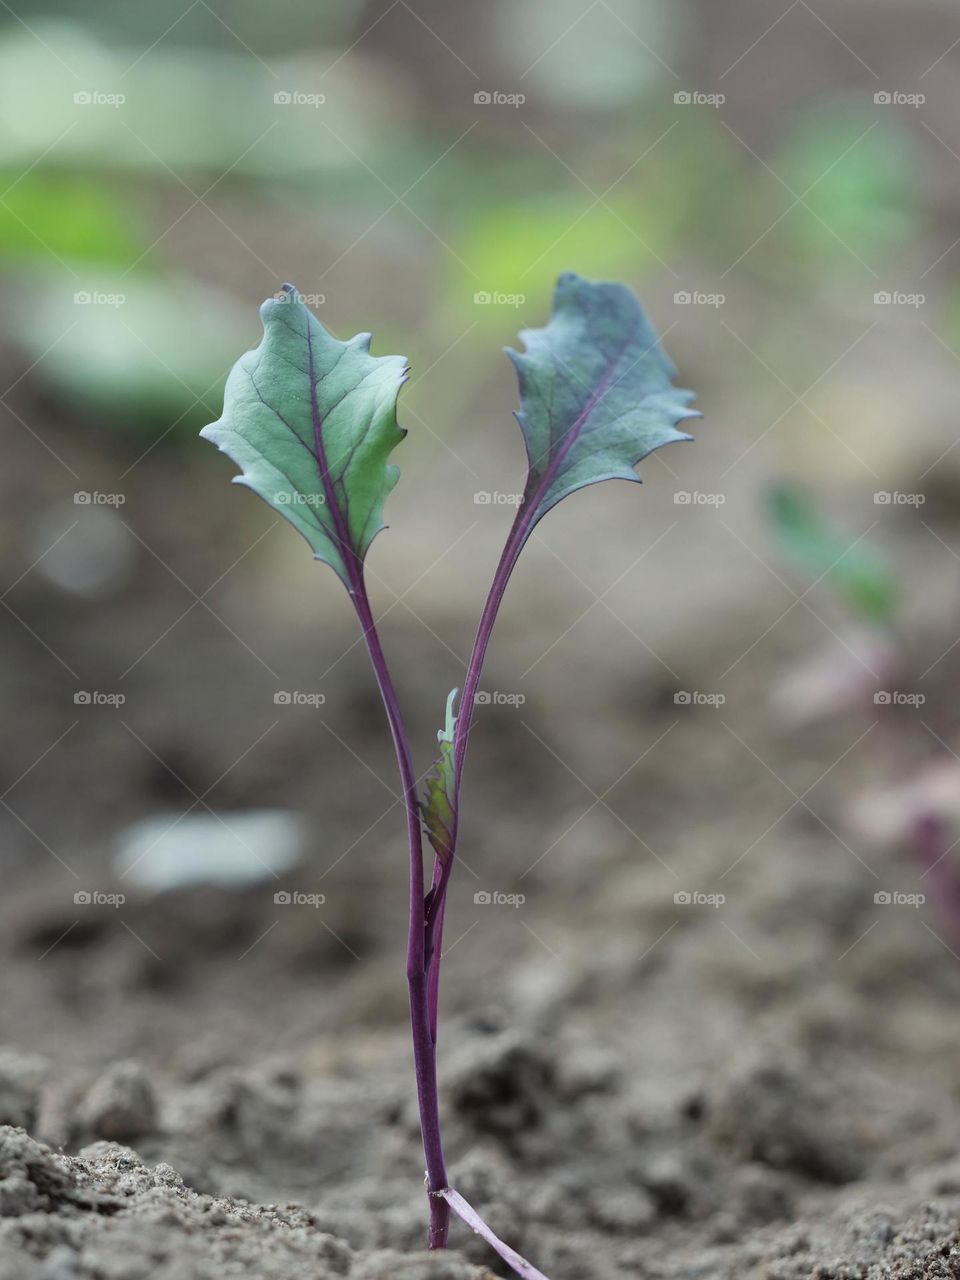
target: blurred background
716 758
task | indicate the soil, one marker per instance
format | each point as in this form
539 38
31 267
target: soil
204 1084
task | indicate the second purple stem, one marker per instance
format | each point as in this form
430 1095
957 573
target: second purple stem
442 869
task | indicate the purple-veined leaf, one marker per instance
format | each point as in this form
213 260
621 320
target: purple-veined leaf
596 393
311 422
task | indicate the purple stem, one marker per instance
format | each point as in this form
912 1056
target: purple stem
516 538
426 925
424 1052
524 521
526 517
442 869
434 957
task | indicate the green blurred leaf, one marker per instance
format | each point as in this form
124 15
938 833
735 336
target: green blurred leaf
520 248
73 218
122 110
807 538
858 177
619 54
134 352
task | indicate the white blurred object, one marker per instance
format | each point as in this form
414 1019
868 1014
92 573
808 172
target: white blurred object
603 63
841 678
83 548
889 814
232 849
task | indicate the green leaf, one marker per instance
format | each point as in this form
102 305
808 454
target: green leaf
596 393
808 538
439 810
311 422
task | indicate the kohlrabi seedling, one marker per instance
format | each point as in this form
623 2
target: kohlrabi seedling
311 422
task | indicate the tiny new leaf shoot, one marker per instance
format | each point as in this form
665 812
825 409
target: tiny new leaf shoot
438 809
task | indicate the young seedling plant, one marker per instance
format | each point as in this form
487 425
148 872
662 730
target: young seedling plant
312 421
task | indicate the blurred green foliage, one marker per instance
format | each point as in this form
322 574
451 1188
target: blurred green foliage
44 215
601 172
521 247
816 546
625 54
137 352
858 178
